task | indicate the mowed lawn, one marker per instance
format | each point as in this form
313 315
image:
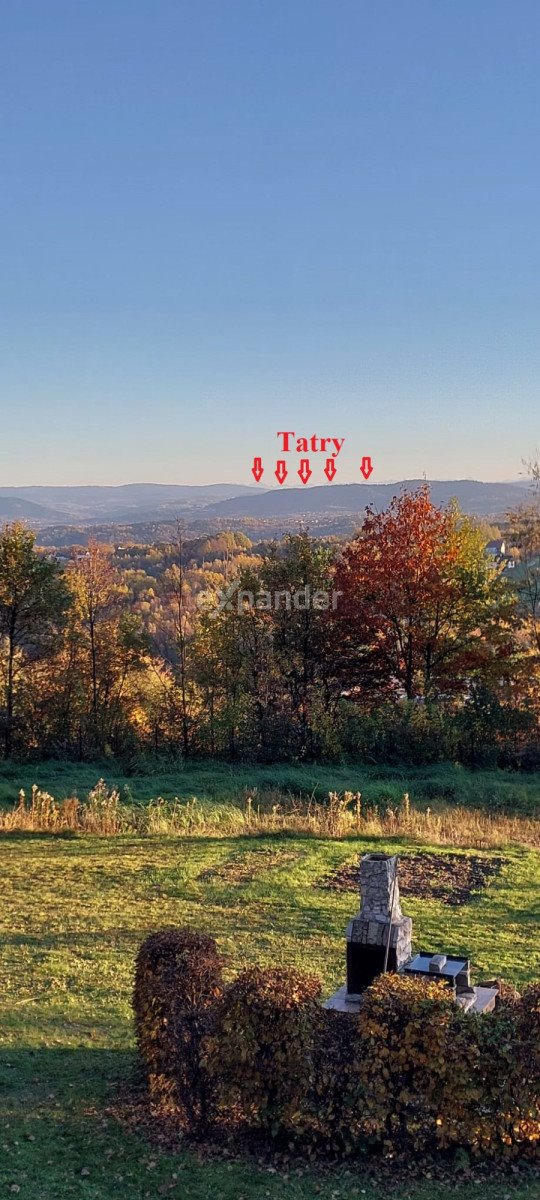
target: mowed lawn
74 911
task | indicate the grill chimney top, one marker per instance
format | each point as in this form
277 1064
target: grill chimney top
379 889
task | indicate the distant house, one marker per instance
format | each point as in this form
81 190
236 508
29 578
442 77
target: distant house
496 551
497 548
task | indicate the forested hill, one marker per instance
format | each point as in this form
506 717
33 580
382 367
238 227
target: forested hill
150 503
14 508
474 497
124 503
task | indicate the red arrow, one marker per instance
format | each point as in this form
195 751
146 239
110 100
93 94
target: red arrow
304 470
330 469
281 470
257 469
366 466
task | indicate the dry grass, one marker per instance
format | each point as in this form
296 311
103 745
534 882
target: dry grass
342 815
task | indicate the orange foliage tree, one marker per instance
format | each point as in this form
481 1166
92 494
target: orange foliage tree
420 602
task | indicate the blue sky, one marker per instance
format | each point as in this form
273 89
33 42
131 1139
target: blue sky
223 218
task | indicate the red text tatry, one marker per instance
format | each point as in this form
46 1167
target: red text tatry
314 444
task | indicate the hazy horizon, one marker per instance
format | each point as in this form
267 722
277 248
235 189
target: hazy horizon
518 482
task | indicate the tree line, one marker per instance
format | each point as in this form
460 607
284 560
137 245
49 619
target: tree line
406 643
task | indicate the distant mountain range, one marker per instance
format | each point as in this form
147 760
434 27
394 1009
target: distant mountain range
146 502
479 499
13 508
127 502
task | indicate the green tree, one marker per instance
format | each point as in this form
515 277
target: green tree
297 576
34 599
221 675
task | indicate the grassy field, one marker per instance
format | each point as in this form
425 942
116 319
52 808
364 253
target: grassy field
74 912
442 784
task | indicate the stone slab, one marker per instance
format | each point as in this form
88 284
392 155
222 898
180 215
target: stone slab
467 1000
341 1001
486 998
482 1000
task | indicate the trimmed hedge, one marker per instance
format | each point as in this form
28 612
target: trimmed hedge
418 1063
529 1032
336 1104
412 1073
178 979
262 1047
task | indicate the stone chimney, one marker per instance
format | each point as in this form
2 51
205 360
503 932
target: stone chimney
379 924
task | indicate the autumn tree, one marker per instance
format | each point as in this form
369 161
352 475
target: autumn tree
523 525
421 600
110 641
265 654
174 633
97 590
524 530
302 649
34 600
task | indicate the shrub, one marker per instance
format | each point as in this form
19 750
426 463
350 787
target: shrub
261 1050
529 1031
177 983
418 1064
528 1021
493 1127
337 1097
415 1073
509 1115
411 1073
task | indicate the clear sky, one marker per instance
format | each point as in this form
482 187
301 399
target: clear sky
224 218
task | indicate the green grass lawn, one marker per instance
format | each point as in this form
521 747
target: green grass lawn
445 783
73 914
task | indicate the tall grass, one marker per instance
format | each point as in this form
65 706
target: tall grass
340 815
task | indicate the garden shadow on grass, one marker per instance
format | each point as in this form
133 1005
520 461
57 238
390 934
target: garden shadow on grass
35 835
60 1137
73 1128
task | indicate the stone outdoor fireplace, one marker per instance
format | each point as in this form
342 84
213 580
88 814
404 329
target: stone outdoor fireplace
379 939
379 933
